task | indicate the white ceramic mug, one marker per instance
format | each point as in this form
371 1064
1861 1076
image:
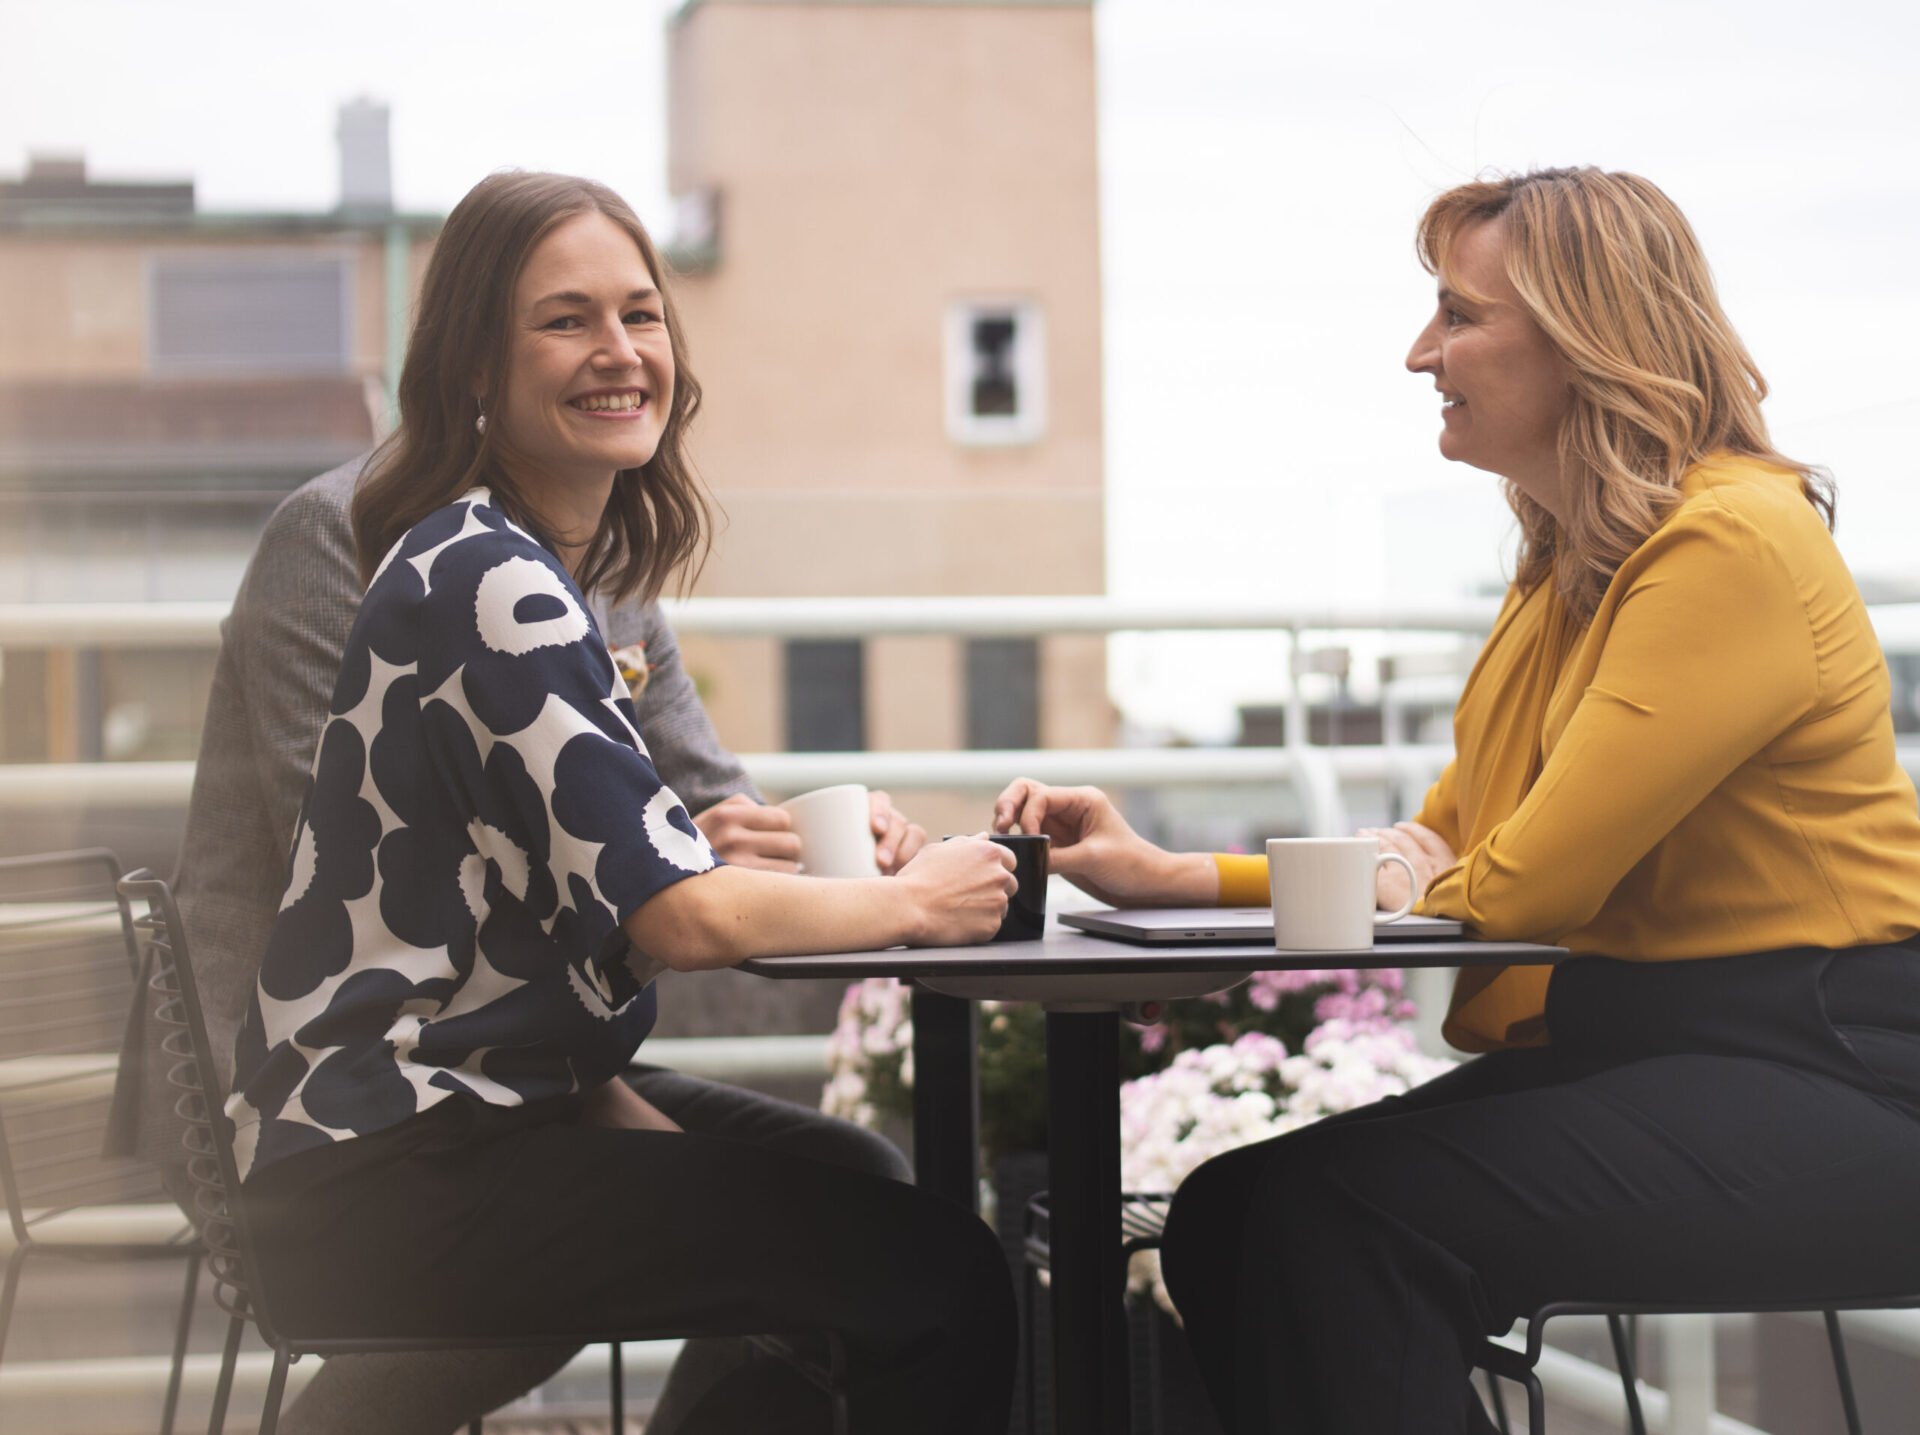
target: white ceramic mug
835 828
1323 892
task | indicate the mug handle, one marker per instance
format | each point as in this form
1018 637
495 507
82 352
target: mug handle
1413 885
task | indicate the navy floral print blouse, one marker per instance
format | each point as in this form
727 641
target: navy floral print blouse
481 818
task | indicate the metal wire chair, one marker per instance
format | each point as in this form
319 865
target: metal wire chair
1518 1365
1143 1219
222 1214
1143 1222
68 973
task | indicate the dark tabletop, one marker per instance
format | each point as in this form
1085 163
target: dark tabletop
1065 951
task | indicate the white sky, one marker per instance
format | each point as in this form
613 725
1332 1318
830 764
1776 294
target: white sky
1263 164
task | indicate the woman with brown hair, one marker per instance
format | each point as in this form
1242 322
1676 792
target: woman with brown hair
1674 757
428 1110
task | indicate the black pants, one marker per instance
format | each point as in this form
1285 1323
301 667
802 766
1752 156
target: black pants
1744 1128
478 1221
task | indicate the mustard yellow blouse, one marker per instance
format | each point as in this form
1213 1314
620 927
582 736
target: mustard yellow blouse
1706 770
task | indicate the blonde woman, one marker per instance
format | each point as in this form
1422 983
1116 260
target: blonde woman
1675 757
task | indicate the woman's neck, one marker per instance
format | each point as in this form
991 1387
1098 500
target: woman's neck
568 511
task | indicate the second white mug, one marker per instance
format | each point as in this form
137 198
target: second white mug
1323 892
835 828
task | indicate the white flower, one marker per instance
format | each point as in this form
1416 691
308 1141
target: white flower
1218 1098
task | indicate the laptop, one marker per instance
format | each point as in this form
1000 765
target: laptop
1240 926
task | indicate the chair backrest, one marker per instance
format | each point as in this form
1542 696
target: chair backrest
67 976
200 1104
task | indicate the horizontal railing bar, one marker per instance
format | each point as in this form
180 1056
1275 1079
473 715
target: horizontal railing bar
44 1386
1030 616
197 625
64 786
738 1058
111 625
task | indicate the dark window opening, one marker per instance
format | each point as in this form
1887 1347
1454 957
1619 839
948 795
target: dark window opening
996 391
1003 693
826 696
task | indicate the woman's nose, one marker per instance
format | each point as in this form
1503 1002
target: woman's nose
615 349
1424 356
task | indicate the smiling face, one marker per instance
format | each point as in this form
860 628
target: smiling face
590 367
1505 388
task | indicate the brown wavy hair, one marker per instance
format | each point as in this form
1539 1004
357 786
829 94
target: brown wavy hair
656 521
1610 270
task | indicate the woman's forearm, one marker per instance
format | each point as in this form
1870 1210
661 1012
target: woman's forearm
950 894
1180 879
724 916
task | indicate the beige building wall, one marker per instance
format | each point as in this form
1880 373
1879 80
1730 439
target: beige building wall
76 304
871 164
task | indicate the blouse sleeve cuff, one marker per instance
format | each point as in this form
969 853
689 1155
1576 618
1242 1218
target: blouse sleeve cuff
1243 880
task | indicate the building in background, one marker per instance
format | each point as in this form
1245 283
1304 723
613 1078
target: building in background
166 377
889 238
888 250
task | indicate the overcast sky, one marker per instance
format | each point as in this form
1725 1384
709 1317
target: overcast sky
1263 164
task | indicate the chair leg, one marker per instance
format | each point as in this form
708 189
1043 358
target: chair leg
1629 1375
1841 1373
617 1379
1536 1404
183 1327
1497 1398
1028 1341
223 1387
15 1264
276 1392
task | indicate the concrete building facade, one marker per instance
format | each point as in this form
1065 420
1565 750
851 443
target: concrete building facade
890 250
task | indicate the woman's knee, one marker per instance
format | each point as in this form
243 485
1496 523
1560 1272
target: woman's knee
1209 1211
859 1149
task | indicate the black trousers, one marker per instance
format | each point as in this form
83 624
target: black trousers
1742 1128
477 1221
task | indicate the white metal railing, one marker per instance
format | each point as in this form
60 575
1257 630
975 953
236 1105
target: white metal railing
1317 774
197 625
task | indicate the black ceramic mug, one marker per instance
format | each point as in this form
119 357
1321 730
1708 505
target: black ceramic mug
1026 917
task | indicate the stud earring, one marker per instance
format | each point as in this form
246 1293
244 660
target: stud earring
480 420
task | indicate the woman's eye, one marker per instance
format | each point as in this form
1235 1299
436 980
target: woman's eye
1453 317
643 316
565 321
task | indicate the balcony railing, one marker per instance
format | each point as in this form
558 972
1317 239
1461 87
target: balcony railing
1320 775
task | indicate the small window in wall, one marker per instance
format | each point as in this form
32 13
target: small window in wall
826 696
996 372
1003 693
242 312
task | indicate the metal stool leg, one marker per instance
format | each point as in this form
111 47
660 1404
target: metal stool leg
617 1373
1629 1376
181 1330
1841 1373
276 1392
223 1388
15 1263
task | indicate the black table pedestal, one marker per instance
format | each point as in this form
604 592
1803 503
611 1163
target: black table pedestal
1089 1277
946 1097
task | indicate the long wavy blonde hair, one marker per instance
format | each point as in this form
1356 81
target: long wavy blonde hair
1611 271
